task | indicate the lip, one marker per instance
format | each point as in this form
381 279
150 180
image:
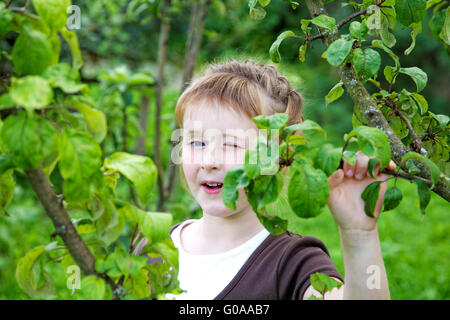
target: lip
211 191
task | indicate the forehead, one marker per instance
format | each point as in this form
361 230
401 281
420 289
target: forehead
215 115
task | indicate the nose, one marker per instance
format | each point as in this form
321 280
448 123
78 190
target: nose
212 158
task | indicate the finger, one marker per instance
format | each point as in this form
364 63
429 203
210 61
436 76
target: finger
380 201
362 162
349 169
391 165
336 178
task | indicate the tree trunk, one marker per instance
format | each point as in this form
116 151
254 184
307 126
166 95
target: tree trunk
368 106
162 54
193 44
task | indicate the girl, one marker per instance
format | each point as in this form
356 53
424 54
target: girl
229 254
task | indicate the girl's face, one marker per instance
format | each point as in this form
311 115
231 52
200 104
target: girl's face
214 141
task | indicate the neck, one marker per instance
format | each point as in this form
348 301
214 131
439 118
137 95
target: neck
236 229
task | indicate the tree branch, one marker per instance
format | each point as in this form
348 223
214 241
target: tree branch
65 228
368 108
162 54
346 20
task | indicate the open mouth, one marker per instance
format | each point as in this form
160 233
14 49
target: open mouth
212 188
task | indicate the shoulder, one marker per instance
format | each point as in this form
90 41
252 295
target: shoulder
293 244
299 257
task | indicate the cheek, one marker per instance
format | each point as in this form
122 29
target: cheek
190 171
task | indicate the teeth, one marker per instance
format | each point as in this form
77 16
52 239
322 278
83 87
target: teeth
213 184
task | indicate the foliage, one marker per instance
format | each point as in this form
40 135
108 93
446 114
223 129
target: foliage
50 123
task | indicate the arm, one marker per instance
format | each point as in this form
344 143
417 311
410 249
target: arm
365 274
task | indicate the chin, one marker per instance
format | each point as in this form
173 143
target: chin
218 210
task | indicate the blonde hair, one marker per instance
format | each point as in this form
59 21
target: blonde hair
248 87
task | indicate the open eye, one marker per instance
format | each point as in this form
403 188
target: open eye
196 143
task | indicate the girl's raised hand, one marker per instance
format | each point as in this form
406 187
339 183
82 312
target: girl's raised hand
346 187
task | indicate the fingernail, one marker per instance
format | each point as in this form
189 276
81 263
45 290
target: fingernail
338 174
349 172
359 176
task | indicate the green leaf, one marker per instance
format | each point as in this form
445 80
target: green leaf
72 40
411 167
251 166
257 13
387 37
5 20
305 26
32 52
324 21
140 170
92 288
32 92
263 190
137 286
358 29
264 3
6 162
366 62
7 185
31 140
445 32
313 133
308 190
370 197
390 74
6 101
419 77
392 198
234 180
434 169
410 11
421 102
338 51
371 166
302 52
274 121
140 78
328 159
379 44
52 12
274 53
349 157
373 143
442 119
335 93
64 77
416 29
95 119
110 224
323 283
154 225
424 194
27 280
80 160
275 225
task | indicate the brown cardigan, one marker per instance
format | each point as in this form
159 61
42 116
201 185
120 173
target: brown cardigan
278 269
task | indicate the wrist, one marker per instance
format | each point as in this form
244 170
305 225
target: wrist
358 237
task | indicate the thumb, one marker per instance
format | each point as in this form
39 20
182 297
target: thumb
336 178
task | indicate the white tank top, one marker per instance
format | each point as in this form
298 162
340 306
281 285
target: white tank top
205 276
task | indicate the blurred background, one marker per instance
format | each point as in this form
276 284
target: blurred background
119 38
